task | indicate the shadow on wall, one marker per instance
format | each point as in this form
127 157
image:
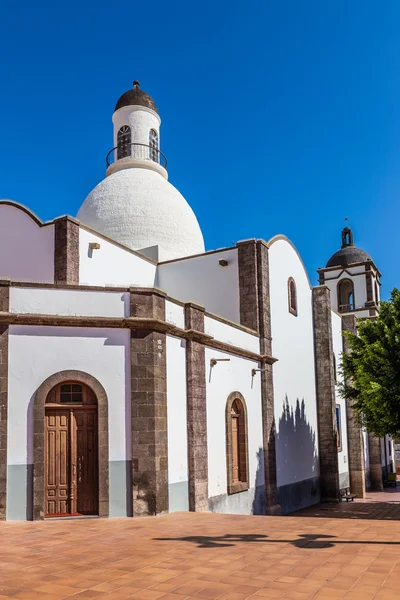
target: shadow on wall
297 459
259 501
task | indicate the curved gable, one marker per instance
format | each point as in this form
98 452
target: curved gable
26 245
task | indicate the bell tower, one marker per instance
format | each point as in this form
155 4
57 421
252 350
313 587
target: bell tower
353 279
136 134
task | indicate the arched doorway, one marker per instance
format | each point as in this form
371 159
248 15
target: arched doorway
71 451
70 447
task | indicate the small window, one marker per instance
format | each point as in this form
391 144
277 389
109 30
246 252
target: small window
338 428
237 451
292 296
124 139
71 392
346 295
153 143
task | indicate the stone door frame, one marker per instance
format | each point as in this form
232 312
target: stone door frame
39 432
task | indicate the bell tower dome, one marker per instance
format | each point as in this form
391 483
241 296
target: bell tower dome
135 204
353 279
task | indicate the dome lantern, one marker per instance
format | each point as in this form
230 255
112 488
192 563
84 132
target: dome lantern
135 204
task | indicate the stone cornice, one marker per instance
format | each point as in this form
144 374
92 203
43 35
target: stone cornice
131 323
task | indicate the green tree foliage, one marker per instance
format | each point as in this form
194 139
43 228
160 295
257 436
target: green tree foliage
372 370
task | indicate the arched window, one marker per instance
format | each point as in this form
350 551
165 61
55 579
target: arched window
153 143
376 292
334 368
124 140
292 296
346 295
236 441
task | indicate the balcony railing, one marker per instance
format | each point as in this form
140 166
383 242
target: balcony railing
346 307
136 152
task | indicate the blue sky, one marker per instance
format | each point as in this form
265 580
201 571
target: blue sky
278 117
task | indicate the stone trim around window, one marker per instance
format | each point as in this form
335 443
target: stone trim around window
4 306
38 438
243 485
292 296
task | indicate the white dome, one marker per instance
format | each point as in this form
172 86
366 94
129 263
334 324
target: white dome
139 208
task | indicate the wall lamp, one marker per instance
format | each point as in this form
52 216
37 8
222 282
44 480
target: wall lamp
254 371
223 262
94 246
214 361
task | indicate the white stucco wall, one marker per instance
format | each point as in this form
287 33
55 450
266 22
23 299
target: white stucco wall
224 332
337 338
227 377
111 265
202 280
294 373
69 302
175 314
177 424
35 353
26 248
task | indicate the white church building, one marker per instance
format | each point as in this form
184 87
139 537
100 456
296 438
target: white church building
141 374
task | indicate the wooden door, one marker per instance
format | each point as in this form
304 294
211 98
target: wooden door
71 461
57 462
235 446
86 462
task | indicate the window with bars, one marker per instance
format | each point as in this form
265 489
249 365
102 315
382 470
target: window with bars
71 392
124 141
153 143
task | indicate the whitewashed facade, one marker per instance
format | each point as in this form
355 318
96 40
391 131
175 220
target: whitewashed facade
210 376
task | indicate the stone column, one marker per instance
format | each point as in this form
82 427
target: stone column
4 307
66 251
326 402
149 407
267 380
196 411
355 440
375 462
255 313
248 285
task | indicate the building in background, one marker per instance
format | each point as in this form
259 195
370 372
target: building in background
140 374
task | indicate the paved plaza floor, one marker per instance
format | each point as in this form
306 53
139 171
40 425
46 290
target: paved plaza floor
349 551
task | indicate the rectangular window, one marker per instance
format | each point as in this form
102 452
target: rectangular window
338 428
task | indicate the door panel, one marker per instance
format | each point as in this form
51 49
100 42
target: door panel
235 450
57 462
87 461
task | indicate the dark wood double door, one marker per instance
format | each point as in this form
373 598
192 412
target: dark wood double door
71 457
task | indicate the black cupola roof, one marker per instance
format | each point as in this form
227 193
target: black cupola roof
136 97
348 254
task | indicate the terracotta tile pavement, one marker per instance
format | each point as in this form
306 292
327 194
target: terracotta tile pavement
311 554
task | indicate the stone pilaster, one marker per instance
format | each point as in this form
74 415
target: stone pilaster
4 307
267 379
355 438
248 290
149 407
196 411
375 462
326 403
255 313
66 250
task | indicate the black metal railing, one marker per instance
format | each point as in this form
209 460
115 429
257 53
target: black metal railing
137 152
